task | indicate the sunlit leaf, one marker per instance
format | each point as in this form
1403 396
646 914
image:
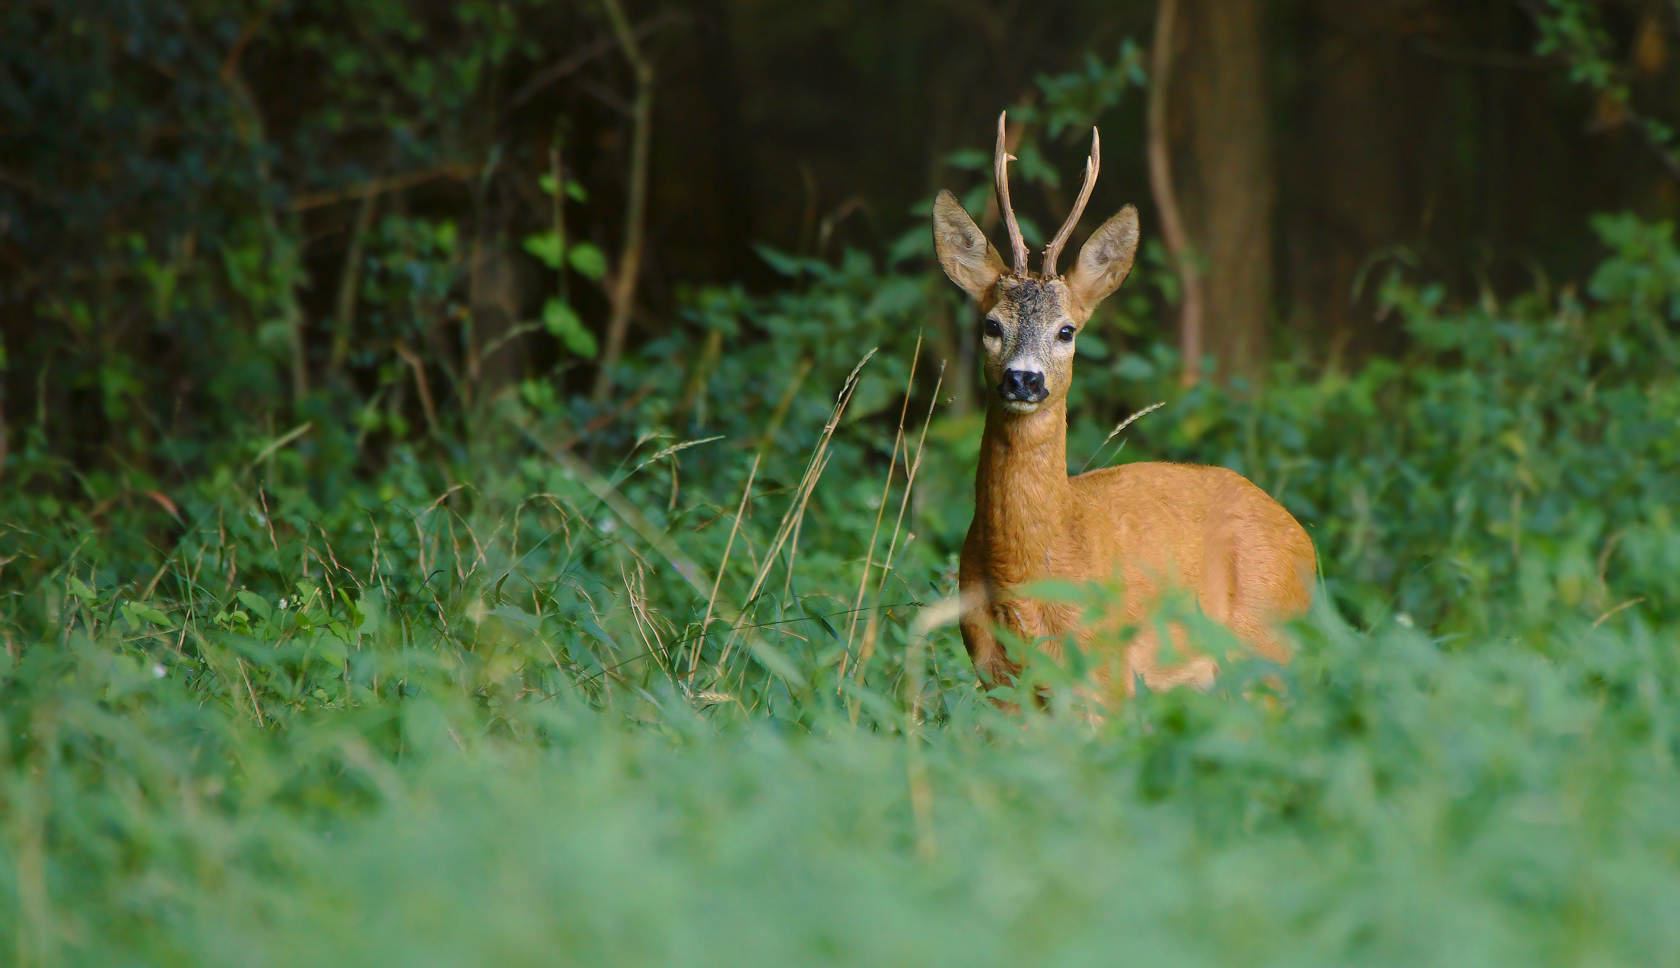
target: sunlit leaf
587 260
562 321
546 247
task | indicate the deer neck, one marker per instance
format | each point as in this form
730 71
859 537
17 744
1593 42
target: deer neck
1021 492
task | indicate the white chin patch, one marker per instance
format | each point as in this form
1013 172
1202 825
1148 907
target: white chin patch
1020 406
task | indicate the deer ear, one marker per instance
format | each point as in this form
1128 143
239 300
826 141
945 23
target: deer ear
1106 259
964 253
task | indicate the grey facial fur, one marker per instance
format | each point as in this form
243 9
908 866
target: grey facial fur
1030 314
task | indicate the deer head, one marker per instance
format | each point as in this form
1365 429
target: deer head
1029 321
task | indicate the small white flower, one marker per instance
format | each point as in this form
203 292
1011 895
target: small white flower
1403 620
609 525
282 603
158 671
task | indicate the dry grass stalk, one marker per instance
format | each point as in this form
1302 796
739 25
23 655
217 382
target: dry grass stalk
881 508
256 707
807 483
798 526
628 513
1122 425
728 546
637 593
911 469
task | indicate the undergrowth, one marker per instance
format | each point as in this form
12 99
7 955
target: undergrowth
678 697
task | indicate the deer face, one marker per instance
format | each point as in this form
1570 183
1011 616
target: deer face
1028 322
1028 337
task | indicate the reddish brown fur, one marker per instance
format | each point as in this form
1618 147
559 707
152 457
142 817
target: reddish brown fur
1206 530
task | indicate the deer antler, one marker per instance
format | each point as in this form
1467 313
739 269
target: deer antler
1016 243
1053 251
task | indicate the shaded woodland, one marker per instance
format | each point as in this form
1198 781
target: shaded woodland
244 154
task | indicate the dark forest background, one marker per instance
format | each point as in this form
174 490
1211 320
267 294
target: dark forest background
196 198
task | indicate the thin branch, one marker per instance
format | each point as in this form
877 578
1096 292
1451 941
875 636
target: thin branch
379 186
557 214
418 365
350 283
1166 199
1584 51
629 266
1482 58
609 97
576 60
249 31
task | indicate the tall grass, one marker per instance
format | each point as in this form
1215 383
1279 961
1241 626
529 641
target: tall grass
555 711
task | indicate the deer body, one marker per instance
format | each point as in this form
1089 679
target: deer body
1157 527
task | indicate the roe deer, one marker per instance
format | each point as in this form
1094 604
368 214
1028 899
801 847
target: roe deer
1206 530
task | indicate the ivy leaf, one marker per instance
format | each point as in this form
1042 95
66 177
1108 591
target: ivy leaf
587 260
546 247
563 322
574 190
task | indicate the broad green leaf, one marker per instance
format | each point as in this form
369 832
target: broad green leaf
587 260
257 604
563 322
546 247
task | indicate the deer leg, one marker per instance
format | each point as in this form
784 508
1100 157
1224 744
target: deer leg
1143 659
991 663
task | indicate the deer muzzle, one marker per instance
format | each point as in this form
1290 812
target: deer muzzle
1023 387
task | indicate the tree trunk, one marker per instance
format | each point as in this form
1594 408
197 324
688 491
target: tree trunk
1223 155
494 293
1358 165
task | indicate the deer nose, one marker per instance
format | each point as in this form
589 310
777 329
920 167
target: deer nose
1023 385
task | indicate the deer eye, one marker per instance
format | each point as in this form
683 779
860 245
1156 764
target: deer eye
993 329
1066 334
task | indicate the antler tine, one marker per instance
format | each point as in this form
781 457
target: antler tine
1016 243
1053 251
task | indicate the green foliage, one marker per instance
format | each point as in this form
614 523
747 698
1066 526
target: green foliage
563 322
1076 99
449 719
1574 31
388 664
